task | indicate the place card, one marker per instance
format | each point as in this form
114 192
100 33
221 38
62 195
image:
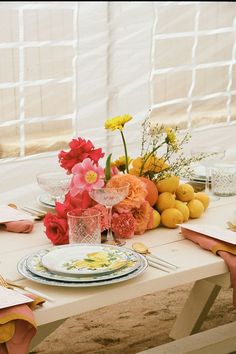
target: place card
11 214
212 231
9 297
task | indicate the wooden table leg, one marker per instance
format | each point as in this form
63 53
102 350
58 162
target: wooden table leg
196 308
44 331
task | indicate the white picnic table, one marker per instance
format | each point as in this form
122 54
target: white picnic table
208 271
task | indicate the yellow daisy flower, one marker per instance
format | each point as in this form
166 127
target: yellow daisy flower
171 137
153 164
120 163
117 122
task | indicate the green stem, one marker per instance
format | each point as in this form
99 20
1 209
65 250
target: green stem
126 155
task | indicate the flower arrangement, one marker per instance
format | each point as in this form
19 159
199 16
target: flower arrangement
135 214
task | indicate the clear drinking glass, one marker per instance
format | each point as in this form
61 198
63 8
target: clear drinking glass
110 196
223 179
84 226
214 154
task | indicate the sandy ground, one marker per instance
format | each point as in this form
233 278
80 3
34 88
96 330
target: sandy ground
132 326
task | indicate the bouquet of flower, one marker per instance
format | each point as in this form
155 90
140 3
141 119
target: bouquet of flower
136 213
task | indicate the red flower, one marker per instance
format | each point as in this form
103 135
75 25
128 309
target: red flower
80 201
56 225
123 225
56 229
61 210
80 149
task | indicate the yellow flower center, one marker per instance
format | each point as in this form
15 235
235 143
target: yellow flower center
90 177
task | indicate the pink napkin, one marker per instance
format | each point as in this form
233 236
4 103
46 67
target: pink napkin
18 327
22 226
224 249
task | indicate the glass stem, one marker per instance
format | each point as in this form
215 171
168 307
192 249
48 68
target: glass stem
109 230
207 184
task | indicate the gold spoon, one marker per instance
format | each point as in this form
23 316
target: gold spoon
231 226
143 249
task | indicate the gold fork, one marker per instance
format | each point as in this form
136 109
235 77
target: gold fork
36 213
8 284
4 283
11 285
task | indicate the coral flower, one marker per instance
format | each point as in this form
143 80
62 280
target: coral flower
123 225
137 191
142 216
104 215
87 176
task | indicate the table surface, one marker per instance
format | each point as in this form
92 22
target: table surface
194 262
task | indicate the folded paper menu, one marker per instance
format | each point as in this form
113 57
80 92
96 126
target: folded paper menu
212 231
9 297
11 214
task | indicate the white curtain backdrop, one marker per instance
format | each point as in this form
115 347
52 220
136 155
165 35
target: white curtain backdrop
65 67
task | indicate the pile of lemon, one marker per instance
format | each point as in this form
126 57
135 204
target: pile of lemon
177 202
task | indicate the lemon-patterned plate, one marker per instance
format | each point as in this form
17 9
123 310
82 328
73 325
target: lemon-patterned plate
23 270
85 259
34 265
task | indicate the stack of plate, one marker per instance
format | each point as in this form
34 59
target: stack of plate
82 265
199 174
46 201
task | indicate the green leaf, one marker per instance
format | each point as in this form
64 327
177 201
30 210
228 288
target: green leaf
108 168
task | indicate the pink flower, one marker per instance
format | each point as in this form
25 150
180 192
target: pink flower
80 149
114 171
123 225
87 176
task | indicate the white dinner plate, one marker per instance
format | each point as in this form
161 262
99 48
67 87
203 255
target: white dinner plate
85 259
34 264
23 270
45 200
199 174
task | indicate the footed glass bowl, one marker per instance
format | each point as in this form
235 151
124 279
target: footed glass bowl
55 184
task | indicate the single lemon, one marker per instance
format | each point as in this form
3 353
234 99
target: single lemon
169 184
196 208
182 207
156 219
203 197
171 217
152 195
184 192
165 200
